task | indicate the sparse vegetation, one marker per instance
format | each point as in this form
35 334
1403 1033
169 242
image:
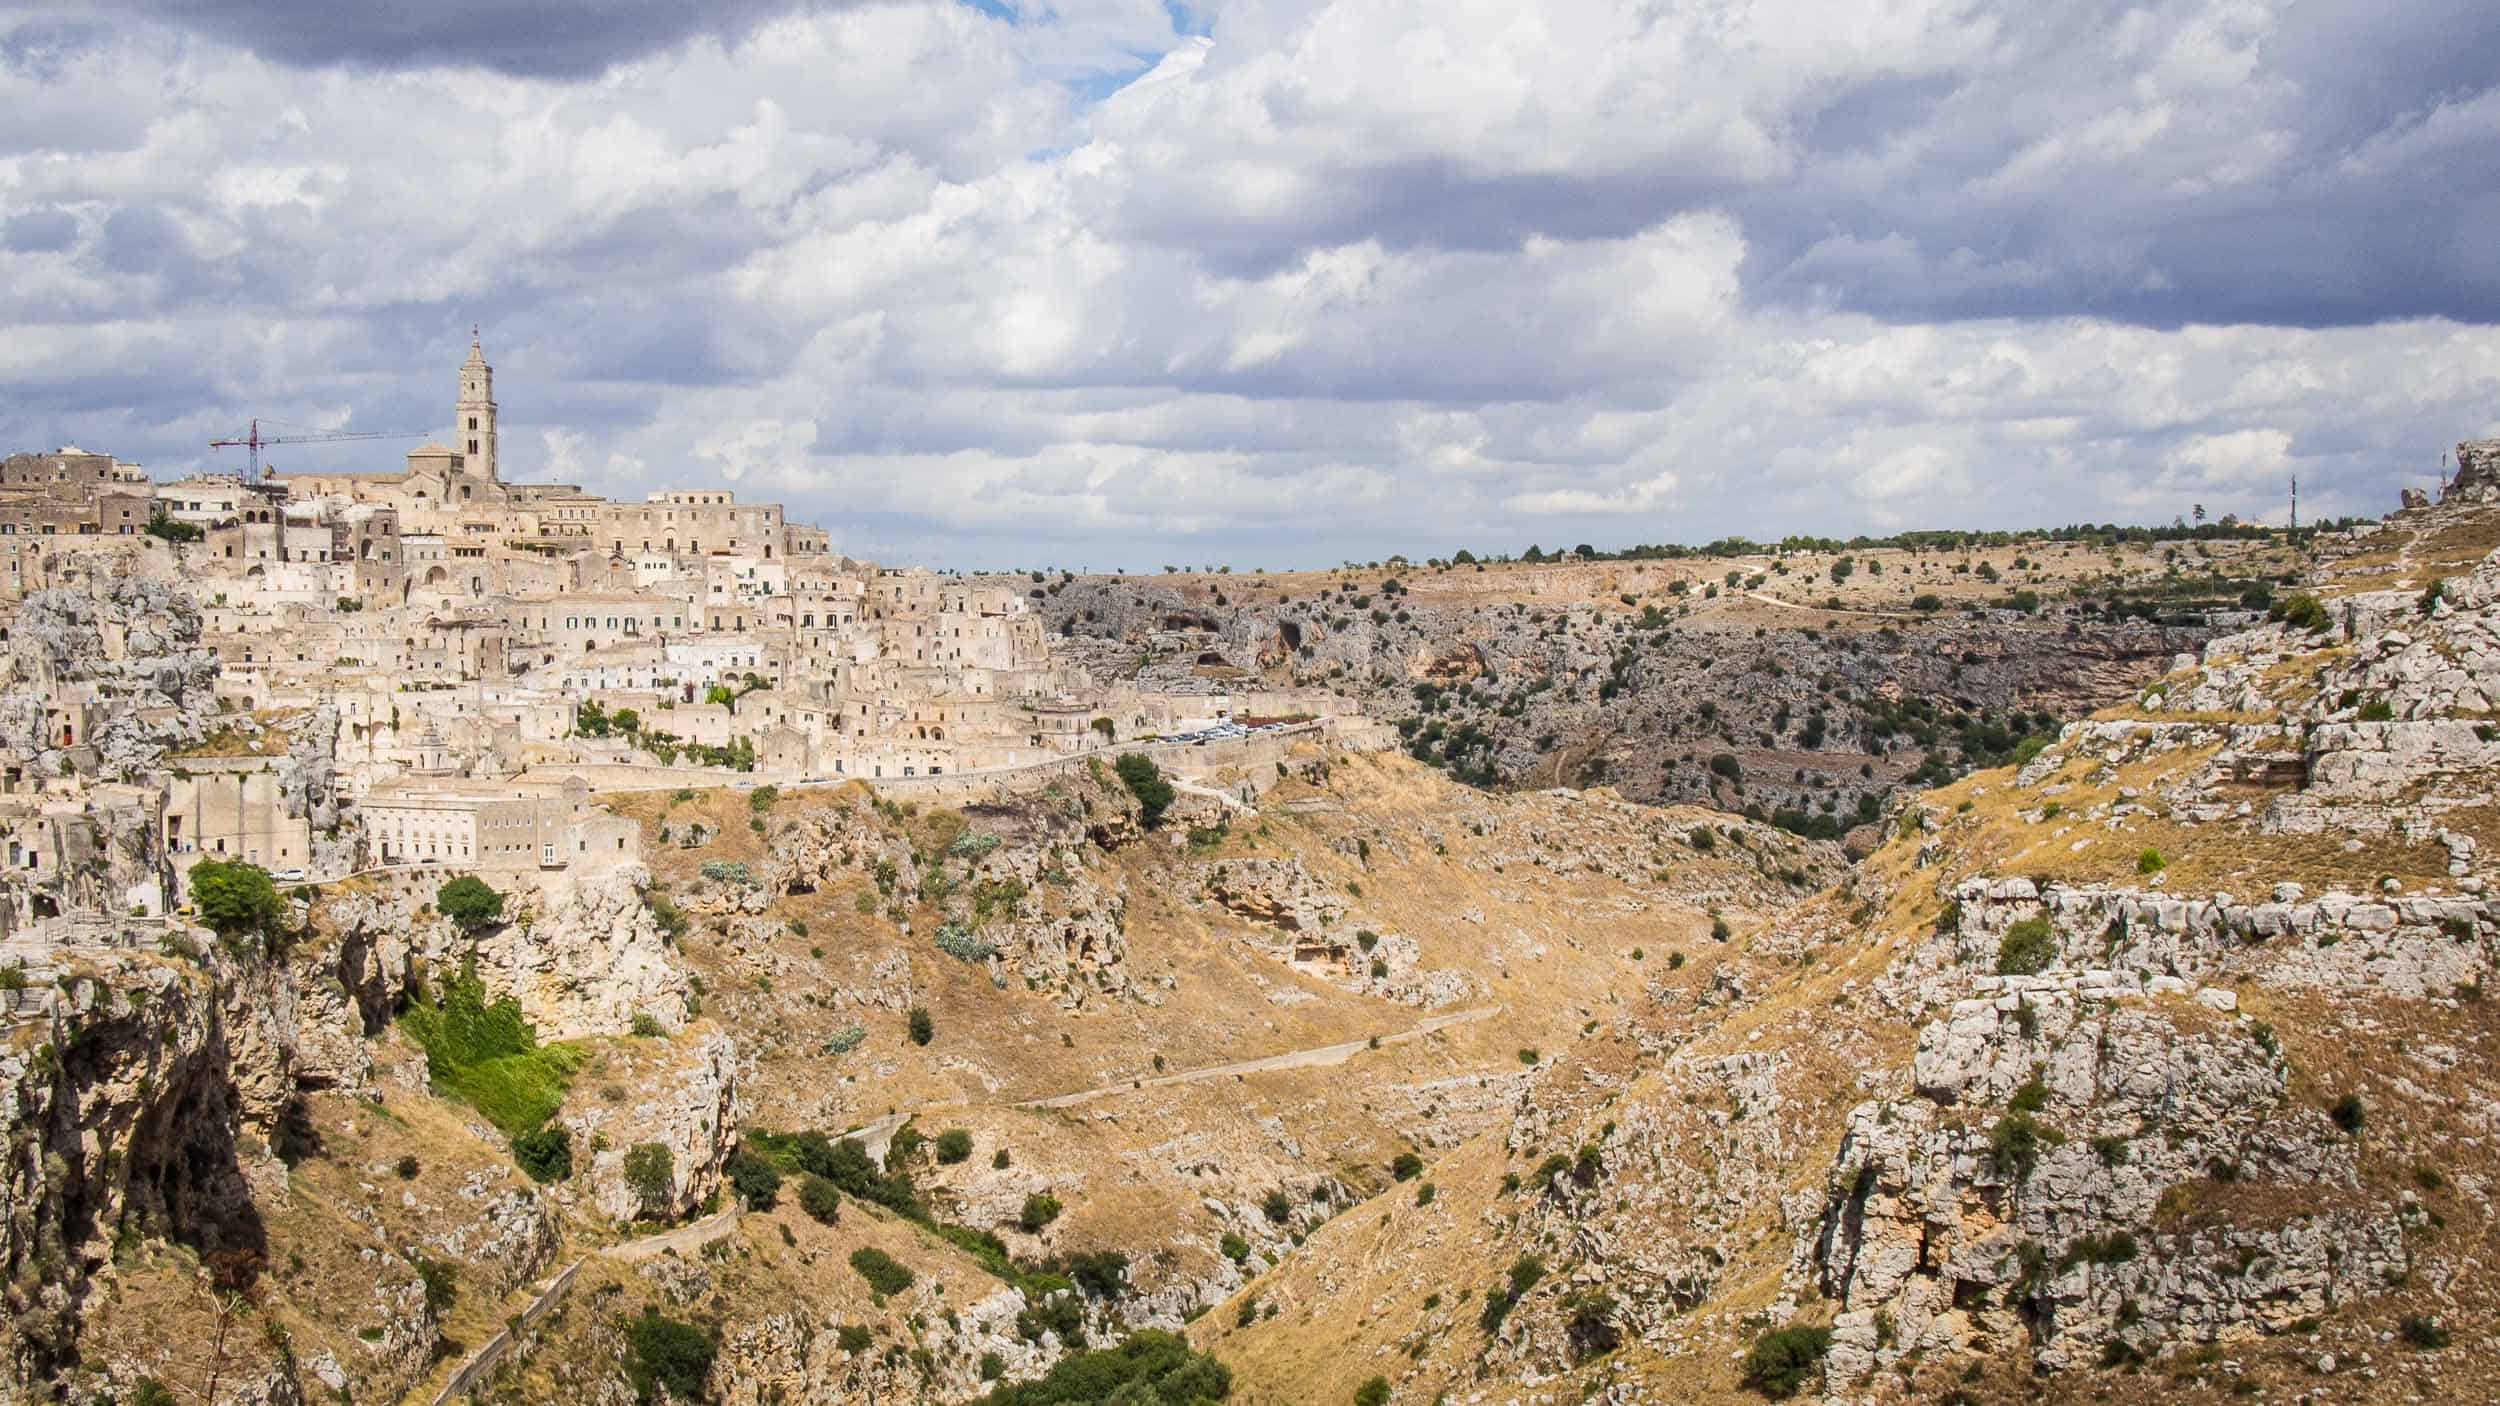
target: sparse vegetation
1783 1360
2028 947
884 1273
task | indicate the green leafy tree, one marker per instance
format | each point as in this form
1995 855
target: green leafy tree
670 1354
471 902
651 1174
547 1154
236 899
1146 782
756 1180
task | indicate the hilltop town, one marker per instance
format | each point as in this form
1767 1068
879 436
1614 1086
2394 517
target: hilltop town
324 673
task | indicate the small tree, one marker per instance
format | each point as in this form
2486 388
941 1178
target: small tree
651 1174
756 1180
821 1199
1040 1209
1781 1360
173 529
670 1354
470 902
954 1145
547 1155
923 1029
1145 781
235 898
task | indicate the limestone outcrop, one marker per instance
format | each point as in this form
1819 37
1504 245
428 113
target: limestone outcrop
590 961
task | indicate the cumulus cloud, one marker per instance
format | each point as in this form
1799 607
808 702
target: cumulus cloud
1114 281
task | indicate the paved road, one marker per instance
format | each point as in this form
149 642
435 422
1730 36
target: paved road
1292 1059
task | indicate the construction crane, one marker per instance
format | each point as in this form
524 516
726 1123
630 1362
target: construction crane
252 439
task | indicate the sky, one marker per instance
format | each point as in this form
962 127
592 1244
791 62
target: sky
1118 284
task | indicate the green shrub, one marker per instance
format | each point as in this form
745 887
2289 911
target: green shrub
2301 612
756 1180
1782 1360
1374 1392
1235 1248
954 1145
2348 1113
1150 1367
923 1028
546 1154
1040 1209
671 1354
647 1026
2377 710
1406 1166
2027 948
853 1338
883 1272
763 798
469 902
2015 1143
2150 862
820 1199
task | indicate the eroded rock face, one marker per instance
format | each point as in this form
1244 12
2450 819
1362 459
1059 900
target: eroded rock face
125 643
589 962
308 780
796 1355
2478 473
2098 1197
680 1094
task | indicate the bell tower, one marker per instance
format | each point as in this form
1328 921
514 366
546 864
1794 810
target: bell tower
473 417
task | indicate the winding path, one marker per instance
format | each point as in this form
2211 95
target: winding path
1292 1059
876 1136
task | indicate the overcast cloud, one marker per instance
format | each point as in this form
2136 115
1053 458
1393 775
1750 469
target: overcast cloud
1120 282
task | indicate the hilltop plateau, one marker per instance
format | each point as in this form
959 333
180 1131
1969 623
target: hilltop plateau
1824 674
